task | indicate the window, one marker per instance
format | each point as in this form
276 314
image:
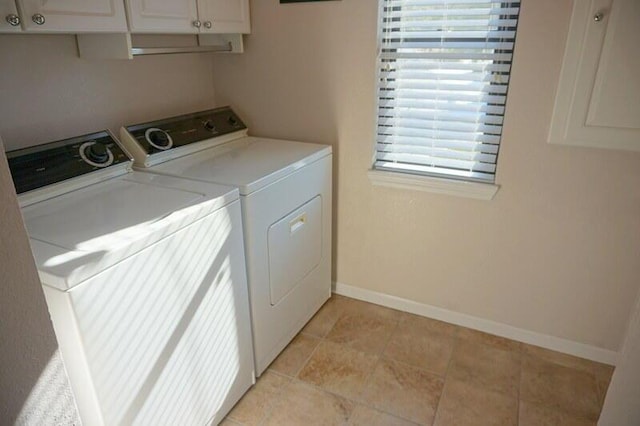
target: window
443 80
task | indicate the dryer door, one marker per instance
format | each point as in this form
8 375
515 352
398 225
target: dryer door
295 247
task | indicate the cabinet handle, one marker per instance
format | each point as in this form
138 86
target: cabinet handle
598 17
38 19
207 24
13 20
197 23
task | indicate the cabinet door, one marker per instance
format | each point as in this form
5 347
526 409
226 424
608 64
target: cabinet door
9 18
162 16
598 99
80 16
224 16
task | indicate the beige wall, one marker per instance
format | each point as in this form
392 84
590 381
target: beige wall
555 252
48 93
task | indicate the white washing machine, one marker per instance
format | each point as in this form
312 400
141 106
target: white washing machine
285 191
144 276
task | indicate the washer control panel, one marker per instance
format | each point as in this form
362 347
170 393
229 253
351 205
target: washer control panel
162 135
42 165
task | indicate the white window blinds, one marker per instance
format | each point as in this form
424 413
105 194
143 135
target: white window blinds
443 78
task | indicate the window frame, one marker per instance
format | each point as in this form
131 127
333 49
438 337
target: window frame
442 183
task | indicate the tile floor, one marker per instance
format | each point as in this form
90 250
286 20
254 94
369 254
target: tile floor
357 363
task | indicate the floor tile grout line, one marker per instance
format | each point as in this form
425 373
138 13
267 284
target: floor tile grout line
379 357
393 332
366 381
456 341
520 378
561 410
233 422
359 399
373 407
353 401
439 332
328 391
277 398
322 339
382 358
291 378
356 402
307 359
271 404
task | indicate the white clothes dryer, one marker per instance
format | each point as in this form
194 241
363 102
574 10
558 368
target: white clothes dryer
144 277
285 191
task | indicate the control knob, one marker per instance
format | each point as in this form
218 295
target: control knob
158 138
96 154
233 121
210 126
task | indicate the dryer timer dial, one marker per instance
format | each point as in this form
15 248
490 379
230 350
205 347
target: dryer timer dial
97 154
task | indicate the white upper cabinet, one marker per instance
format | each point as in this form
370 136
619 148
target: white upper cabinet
188 16
163 16
224 16
73 16
9 18
598 98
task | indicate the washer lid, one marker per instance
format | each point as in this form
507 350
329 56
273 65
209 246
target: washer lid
81 233
249 163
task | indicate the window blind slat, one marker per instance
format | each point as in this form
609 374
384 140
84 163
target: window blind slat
438 75
432 114
410 33
455 96
457 126
442 105
436 161
427 64
448 13
502 57
441 3
444 134
461 145
452 22
443 68
433 171
439 104
409 43
445 86
435 117
438 152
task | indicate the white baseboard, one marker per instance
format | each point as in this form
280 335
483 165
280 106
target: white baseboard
531 337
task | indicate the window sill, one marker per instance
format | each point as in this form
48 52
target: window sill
457 188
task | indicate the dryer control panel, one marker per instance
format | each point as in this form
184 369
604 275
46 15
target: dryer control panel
43 165
162 135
